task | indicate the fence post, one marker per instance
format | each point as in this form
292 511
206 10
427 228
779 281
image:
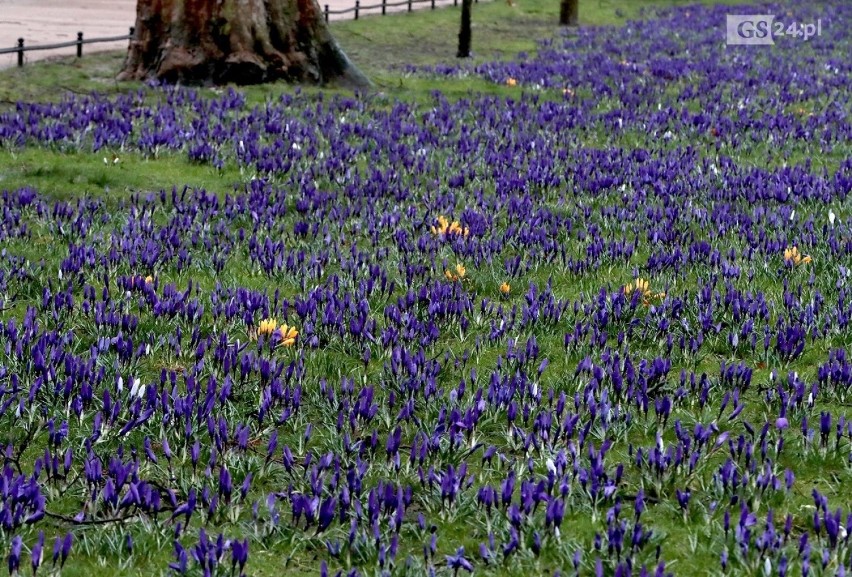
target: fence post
384 7
20 52
357 7
326 12
409 5
79 44
455 2
433 4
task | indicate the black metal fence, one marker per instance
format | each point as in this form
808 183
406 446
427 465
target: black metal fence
357 9
21 48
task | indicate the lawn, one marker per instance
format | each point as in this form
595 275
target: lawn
577 305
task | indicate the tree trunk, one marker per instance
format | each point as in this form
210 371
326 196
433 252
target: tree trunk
464 32
569 12
241 41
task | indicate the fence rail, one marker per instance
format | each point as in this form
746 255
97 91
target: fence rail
357 9
20 48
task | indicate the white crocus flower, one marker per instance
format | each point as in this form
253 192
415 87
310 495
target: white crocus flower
134 388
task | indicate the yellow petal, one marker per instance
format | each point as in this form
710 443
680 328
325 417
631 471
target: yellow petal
267 326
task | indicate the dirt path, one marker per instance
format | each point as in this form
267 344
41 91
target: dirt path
51 21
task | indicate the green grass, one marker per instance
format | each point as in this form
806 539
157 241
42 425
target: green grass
67 175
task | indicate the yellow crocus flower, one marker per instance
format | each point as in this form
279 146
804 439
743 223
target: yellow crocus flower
641 286
455 274
444 227
267 327
794 257
288 335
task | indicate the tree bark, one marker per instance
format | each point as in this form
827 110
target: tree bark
569 12
464 32
241 41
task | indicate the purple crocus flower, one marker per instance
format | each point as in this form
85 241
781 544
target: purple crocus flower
458 561
15 554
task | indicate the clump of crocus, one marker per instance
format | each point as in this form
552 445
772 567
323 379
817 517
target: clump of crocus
643 287
458 273
288 335
794 257
447 228
511 82
267 327
505 288
640 285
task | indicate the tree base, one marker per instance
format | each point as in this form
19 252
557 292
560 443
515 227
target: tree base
236 41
